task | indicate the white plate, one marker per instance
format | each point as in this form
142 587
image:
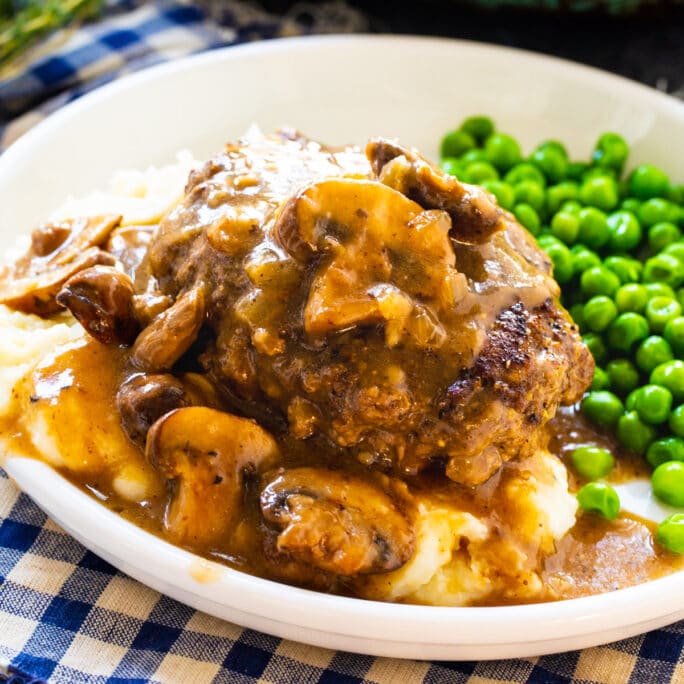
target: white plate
337 90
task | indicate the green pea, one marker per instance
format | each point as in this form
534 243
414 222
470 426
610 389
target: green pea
623 375
452 166
631 297
599 281
675 193
624 229
674 334
653 351
502 191
598 497
662 234
576 170
528 217
611 151
593 229
630 402
657 210
596 346
572 207
676 249
565 226
592 462
545 239
455 143
552 161
598 172
529 192
603 408
668 483
563 264
601 381
627 269
599 312
600 192
556 146
523 172
676 421
648 181
558 194
479 127
670 533
659 290
660 310
502 150
584 259
633 433
671 376
664 268
627 330
653 404
631 204
664 450
473 156
479 171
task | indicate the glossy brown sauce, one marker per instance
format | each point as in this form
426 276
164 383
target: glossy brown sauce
74 391
395 339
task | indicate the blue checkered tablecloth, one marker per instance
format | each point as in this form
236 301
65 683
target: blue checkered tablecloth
68 617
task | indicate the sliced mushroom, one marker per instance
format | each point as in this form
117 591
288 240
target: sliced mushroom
337 522
207 455
58 251
150 304
37 294
170 334
129 244
385 254
473 215
144 398
49 237
101 299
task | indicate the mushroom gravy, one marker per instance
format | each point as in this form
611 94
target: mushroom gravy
72 395
329 369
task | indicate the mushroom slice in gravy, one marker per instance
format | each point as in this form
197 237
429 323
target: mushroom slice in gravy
474 216
337 522
170 334
101 300
57 252
206 456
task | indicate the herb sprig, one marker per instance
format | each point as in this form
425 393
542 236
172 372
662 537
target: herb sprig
24 22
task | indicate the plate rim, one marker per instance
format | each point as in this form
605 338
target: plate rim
111 88
564 618
540 623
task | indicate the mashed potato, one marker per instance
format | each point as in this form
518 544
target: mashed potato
460 558
142 197
24 341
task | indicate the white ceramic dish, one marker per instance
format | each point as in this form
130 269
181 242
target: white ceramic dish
337 90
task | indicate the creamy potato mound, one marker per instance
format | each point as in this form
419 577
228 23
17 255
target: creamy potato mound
459 558
25 340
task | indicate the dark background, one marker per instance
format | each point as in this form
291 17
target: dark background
646 45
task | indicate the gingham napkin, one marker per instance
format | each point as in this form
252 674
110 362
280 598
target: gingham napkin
68 617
